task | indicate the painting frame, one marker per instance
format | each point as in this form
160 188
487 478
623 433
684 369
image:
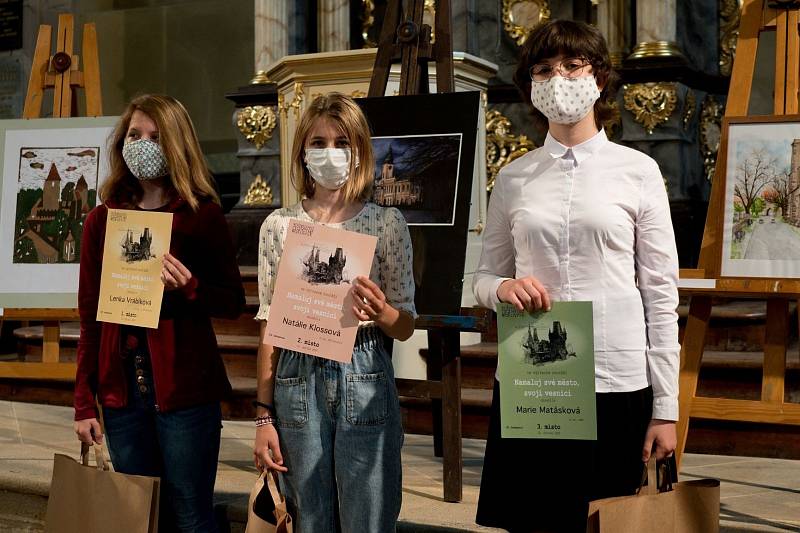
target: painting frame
439 249
761 183
37 285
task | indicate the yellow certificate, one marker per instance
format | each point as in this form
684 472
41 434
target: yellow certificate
130 283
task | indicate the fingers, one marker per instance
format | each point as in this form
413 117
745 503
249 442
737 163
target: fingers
264 460
168 279
174 270
97 432
88 431
647 448
543 295
525 294
368 299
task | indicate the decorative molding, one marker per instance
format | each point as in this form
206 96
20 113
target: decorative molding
356 93
688 108
655 49
710 133
730 12
260 78
296 102
367 21
502 146
614 124
521 16
259 194
257 123
651 103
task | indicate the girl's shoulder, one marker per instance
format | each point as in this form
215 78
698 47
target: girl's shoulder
279 219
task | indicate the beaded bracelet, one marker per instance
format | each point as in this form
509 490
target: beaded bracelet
266 420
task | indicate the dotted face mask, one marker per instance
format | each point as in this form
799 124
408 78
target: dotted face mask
145 159
565 100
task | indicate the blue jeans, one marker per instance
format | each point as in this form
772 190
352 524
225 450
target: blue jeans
341 434
181 447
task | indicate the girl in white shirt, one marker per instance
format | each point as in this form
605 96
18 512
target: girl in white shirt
582 218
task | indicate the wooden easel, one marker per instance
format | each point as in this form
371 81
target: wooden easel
757 16
407 40
61 73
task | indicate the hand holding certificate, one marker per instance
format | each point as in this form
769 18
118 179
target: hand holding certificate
312 304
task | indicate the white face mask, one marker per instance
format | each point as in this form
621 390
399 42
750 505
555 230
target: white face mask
145 159
565 100
330 167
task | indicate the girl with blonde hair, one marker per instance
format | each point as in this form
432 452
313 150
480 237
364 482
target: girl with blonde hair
160 389
333 429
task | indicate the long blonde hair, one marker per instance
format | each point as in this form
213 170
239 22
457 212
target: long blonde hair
346 114
188 172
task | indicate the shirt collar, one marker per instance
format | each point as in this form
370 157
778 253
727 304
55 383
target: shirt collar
580 151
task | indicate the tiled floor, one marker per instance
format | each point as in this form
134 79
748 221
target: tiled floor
756 494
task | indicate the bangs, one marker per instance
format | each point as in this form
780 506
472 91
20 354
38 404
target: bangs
565 38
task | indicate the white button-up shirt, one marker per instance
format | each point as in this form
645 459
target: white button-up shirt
592 223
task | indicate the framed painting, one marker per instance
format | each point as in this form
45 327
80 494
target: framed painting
424 147
761 223
52 169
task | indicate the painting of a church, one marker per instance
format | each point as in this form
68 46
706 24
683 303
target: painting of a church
57 189
418 174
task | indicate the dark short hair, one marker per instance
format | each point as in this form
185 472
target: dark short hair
570 39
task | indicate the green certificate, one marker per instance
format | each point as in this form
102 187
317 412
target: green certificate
546 372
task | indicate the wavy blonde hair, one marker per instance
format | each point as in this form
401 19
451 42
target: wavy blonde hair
188 172
346 114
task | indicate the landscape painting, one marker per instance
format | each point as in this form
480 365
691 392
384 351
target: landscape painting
762 204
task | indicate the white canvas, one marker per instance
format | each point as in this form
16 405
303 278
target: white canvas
761 235
52 169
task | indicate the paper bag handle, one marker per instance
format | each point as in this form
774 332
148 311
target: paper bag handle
99 456
271 480
655 483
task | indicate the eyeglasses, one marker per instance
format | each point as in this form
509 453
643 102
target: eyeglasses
569 68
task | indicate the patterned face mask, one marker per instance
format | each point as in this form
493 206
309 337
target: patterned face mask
145 159
565 100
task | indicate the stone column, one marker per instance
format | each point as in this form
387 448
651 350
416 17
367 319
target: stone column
611 21
656 30
271 35
333 27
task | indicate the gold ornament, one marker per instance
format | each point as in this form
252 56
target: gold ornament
651 103
259 194
367 20
710 133
521 16
614 124
257 124
688 109
502 147
730 15
296 102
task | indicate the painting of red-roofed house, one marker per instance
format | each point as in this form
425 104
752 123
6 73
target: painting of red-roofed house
57 187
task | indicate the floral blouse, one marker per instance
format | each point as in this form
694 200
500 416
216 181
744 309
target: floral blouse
391 264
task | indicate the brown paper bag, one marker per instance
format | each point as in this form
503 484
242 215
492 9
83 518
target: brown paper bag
266 509
684 507
87 499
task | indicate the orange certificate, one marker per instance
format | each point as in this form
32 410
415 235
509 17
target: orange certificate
130 283
312 308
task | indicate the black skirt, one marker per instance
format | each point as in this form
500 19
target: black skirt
543 484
